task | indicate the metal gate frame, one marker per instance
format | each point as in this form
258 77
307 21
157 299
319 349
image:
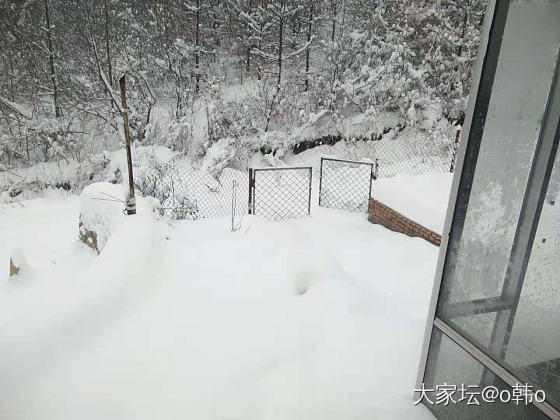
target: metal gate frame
372 177
252 187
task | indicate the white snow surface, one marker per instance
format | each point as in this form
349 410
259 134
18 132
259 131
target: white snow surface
102 209
422 198
310 318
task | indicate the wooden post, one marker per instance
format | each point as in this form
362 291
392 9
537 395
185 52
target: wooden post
131 199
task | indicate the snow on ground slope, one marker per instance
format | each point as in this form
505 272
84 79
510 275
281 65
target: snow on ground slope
422 198
312 318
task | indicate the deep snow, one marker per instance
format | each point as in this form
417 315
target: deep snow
423 198
311 318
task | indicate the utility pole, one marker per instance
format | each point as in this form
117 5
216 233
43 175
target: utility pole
131 199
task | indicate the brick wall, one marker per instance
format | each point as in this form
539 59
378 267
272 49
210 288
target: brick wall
384 215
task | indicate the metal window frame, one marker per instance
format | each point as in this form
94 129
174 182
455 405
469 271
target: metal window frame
543 161
475 86
490 364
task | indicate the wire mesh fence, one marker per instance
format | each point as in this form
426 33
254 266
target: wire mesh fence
280 193
408 155
238 209
188 194
424 155
345 184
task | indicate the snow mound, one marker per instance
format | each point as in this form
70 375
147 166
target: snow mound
101 211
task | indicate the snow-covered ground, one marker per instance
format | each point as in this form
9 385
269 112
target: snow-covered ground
422 198
310 318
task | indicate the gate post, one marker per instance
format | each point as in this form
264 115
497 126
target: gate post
371 178
250 202
310 187
320 180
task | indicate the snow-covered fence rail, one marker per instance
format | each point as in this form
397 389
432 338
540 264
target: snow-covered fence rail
345 184
189 194
280 193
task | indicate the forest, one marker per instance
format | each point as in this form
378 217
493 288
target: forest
273 76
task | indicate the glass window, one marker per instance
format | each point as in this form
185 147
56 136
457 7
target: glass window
450 364
520 330
534 344
521 87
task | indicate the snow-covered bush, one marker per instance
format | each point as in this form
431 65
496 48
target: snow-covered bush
225 153
233 118
169 185
179 136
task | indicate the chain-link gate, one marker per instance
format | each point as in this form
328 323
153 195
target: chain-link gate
345 184
280 193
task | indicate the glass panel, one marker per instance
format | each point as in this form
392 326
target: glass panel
449 364
521 87
525 337
534 345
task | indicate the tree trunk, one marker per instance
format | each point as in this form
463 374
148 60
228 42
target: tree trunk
109 66
259 65
248 51
342 25
280 50
197 43
51 60
463 29
333 11
309 31
280 45
248 60
12 89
